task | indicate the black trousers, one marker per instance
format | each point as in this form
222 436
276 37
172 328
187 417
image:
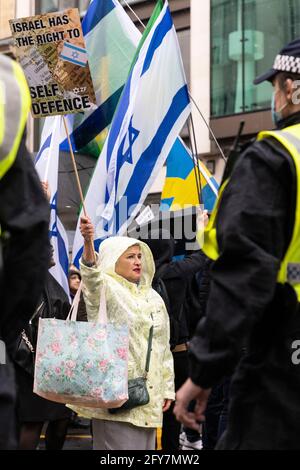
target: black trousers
171 427
8 439
210 427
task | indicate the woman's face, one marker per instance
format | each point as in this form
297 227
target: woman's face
129 265
74 283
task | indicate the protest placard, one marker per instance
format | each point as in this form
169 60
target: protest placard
51 50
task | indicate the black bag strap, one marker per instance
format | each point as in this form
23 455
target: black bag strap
149 351
37 310
50 313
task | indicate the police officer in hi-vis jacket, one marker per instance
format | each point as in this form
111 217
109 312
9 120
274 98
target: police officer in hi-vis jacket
252 324
24 245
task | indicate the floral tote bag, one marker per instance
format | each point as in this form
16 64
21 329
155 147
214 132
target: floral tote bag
82 363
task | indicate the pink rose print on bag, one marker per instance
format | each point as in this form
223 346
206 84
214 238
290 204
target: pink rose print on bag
122 353
83 363
97 392
71 364
69 373
56 347
102 365
100 335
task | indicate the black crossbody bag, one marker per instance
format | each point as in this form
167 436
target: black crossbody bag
138 394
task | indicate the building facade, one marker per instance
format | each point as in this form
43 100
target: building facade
245 36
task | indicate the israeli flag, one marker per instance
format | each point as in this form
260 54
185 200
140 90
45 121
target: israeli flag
46 164
74 54
152 110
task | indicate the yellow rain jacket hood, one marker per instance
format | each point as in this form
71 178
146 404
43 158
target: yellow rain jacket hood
112 248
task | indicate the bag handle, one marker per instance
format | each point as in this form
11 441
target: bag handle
72 316
102 306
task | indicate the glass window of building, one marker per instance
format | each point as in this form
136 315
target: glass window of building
184 39
7 12
246 35
123 2
47 6
83 5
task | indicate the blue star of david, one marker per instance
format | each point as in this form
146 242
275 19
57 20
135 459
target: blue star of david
75 55
53 232
53 203
53 206
132 136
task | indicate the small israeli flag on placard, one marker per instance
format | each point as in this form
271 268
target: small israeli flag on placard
74 54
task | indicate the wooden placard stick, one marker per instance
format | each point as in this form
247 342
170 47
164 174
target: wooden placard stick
77 179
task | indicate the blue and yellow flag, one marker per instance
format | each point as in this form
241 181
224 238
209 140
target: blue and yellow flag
180 189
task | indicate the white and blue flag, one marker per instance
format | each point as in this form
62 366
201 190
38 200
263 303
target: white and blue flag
111 39
152 110
74 54
46 164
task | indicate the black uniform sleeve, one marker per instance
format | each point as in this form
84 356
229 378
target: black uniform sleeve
185 268
252 235
24 215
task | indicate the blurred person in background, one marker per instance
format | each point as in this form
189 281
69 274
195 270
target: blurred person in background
34 411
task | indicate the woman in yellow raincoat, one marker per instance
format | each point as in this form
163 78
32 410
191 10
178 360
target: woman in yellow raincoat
125 267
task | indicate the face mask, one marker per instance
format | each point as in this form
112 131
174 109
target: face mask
276 115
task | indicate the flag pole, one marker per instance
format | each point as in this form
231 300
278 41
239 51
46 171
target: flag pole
134 13
209 129
196 155
194 151
55 124
77 176
75 167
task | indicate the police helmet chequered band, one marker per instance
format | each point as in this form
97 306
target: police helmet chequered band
287 63
287 60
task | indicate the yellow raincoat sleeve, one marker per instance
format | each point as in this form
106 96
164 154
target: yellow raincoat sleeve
92 279
168 365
